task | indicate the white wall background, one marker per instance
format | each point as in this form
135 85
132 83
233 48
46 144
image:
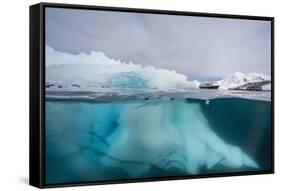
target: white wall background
14 72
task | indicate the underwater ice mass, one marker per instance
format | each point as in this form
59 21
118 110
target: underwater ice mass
161 125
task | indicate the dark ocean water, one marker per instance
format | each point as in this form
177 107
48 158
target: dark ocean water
89 141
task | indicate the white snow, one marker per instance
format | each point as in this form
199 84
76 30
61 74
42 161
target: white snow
96 69
237 79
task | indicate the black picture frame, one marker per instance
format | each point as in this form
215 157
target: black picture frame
37 92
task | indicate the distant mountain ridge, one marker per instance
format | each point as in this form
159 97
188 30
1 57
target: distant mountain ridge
239 79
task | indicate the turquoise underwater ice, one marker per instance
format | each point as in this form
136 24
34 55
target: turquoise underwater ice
88 141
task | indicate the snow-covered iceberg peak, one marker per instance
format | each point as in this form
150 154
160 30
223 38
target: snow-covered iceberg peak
97 69
55 57
237 79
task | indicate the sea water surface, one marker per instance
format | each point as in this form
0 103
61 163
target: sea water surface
94 136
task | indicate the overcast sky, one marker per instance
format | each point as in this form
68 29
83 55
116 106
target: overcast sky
200 47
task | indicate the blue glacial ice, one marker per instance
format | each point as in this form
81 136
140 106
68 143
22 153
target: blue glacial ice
127 80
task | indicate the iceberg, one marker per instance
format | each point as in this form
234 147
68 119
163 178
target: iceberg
173 129
98 70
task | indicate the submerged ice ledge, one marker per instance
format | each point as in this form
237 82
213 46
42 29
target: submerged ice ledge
139 137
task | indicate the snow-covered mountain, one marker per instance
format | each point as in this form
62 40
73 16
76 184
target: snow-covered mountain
98 70
238 79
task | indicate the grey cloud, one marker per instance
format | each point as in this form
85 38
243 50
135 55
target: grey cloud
196 46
